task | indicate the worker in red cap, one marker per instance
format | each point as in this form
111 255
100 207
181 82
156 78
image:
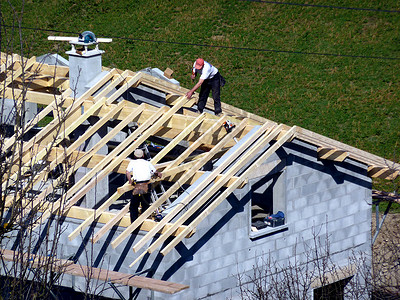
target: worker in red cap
210 80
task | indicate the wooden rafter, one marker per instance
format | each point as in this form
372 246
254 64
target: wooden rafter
54 129
166 195
71 156
165 122
362 156
200 187
146 134
271 150
178 184
80 162
332 154
383 172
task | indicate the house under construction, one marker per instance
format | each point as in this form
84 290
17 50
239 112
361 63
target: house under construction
222 176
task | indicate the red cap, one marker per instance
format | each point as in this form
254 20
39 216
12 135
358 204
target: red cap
199 63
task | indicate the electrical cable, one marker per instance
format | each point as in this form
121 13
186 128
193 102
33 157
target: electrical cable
229 47
324 6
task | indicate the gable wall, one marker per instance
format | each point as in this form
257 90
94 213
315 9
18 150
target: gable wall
210 260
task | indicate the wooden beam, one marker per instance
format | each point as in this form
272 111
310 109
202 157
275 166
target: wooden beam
176 185
37 118
122 190
383 172
332 154
74 157
156 123
171 88
271 150
82 213
52 70
54 125
354 153
24 67
127 147
36 97
202 185
178 138
100 144
114 82
131 82
68 267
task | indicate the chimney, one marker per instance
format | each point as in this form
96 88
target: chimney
84 62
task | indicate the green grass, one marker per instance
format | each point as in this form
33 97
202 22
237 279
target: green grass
351 98
394 208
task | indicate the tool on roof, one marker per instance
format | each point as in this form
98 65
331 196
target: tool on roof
87 37
228 125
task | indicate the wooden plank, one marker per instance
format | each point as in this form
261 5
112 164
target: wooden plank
178 184
35 97
114 157
97 213
171 88
37 118
68 267
81 213
117 218
217 125
178 138
354 153
201 186
61 135
88 133
271 150
179 122
157 123
66 153
24 67
98 103
98 145
54 125
131 82
172 189
52 70
332 154
382 172
78 160
6 65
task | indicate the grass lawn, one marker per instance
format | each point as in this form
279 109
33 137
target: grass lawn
333 70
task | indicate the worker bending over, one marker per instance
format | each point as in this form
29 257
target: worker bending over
210 80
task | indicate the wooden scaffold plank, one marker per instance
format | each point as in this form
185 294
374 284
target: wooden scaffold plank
69 267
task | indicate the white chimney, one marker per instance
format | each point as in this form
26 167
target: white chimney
84 62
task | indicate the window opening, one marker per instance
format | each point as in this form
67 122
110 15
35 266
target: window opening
268 207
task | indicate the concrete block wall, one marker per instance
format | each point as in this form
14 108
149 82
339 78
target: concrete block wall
321 196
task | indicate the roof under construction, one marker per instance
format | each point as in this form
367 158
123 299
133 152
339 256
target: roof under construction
187 141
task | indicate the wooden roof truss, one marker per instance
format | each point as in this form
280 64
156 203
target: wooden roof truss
173 122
